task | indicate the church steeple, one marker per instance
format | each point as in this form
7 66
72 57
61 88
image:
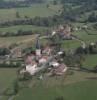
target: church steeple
38 48
37 43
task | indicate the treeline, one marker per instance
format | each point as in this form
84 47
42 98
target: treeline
4 51
38 21
10 64
79 1
18 3
77 8
19 33
90 49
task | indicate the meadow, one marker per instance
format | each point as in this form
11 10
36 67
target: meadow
85 37
40 10
23 27
35 10
18 40
75 87
7 76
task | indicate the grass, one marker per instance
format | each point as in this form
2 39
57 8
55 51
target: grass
7 76
40 10
91 61
70 44
22 27
74 87
87 38
5 41
35 10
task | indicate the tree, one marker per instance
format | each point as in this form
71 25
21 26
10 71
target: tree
4 51
17 15
16 87
47 5
95 69
27 76
92 17
55 2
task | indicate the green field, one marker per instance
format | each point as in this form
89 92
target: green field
70 44
19 40
7 76
22 27
85 37
33 11
90 62
74 87
78 86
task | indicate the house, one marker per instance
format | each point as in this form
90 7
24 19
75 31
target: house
47 50
32 68
38 48
16 52
53 33
29 59
54 63
43 59
84 27
61 69
65 31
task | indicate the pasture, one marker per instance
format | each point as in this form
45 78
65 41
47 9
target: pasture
23 27
7 76
35 10
75 87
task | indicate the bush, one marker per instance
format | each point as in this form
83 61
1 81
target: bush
27 76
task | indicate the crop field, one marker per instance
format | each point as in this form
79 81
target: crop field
19 40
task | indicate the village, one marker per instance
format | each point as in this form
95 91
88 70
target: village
49 56
45 60
48 49
42 57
